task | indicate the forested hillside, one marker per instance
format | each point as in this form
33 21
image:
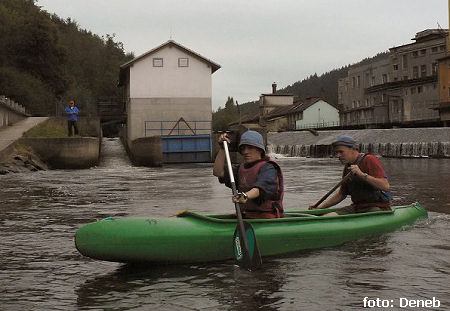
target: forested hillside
46 60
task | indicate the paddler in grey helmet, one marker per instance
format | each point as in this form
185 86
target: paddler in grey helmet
259 179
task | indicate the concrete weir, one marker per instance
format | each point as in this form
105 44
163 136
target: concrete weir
45 140
398 143
146 151
66 153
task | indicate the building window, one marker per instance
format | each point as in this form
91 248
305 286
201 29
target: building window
423 52
383 98
434 67
405 61
423 70
434 49
358 81
415 72
385 78
157 62
395 106
372 83
419 89
415 53
405 77
413 90
183 62
442 48
367 102
395 67
353 82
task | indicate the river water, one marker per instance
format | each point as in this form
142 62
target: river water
42 270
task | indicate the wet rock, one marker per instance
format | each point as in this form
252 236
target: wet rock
21 160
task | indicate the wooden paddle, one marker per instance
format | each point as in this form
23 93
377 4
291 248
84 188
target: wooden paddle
349 174
246 250
346 177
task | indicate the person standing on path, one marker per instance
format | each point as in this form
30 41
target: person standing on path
72 118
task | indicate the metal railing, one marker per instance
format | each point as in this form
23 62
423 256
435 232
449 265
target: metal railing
12 105
180 127
318 125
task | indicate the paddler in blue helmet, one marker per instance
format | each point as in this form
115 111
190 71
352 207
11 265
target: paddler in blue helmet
258 179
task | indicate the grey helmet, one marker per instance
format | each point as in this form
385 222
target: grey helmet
252 138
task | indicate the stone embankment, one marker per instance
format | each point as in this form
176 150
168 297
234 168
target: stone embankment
19 158
402 143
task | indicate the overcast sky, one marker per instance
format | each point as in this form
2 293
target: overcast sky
258 42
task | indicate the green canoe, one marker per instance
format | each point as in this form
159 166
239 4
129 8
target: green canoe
193 237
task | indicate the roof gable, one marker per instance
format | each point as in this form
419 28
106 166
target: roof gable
170 43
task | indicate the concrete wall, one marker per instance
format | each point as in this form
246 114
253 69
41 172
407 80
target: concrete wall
10 112
66 153
170 80
157 113
318 115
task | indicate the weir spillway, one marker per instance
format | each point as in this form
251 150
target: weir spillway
396 143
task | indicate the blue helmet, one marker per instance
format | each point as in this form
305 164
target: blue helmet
252 138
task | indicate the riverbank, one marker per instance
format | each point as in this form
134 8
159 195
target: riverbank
19 158
43 144
395 143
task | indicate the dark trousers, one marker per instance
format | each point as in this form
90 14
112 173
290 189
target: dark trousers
73 124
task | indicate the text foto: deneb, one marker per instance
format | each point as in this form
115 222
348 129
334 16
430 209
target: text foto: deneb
402 303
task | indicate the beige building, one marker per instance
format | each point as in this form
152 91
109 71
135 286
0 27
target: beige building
270 102
444 82
398 87
168 91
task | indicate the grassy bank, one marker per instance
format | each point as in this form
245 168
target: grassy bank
57 128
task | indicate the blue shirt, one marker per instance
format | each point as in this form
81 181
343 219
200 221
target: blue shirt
72 113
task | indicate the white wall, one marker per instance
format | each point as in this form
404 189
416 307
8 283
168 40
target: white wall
168 93
147 116
319 115
170 80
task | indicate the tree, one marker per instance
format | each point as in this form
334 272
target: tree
45 59
223 117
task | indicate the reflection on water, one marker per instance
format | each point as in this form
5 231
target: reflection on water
42 270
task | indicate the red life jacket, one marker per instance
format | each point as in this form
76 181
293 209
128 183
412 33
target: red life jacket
266 208
362 192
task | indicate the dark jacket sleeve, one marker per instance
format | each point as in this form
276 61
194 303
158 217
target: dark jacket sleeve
267 182
226 177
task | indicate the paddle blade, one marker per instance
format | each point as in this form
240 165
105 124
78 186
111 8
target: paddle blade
252 260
